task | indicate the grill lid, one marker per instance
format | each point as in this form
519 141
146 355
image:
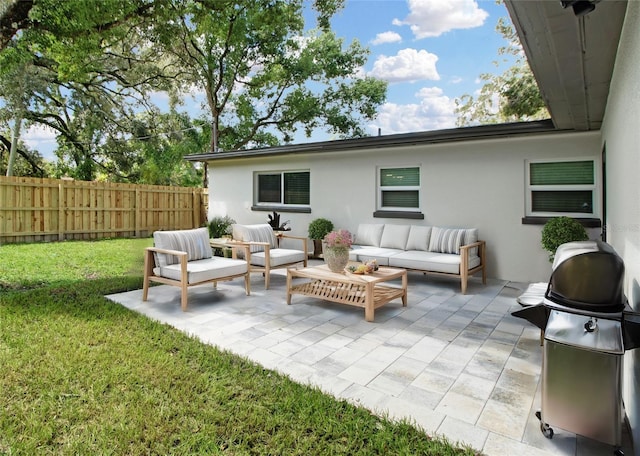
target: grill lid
588 276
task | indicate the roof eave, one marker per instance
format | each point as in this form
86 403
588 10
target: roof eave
425 137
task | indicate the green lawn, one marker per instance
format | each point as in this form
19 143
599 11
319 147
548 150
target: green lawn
82 375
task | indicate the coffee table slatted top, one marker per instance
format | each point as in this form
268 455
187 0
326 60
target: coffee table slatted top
369 291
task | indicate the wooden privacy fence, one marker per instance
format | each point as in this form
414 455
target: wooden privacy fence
33 209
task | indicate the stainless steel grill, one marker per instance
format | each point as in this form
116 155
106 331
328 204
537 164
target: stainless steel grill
587 326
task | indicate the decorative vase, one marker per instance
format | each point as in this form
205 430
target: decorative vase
336 258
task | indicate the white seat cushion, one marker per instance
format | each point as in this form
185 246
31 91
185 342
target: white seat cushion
431 261
278 257
203 270
364 253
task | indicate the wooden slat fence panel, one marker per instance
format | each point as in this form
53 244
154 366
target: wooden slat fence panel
33 209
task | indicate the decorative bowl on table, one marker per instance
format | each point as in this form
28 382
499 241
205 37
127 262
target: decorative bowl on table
364 268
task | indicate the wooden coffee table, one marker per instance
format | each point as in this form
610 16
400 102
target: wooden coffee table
368 290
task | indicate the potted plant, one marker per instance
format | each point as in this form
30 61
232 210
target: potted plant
220 227
336 249
560 230
318 229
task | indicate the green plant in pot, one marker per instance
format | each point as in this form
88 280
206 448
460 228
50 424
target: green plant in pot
560 230
318 229
220 227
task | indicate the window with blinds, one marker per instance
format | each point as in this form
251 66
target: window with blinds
286 188
399 189
562 188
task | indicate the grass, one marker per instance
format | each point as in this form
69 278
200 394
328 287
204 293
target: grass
82 375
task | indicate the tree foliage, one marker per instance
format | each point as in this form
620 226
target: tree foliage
98 65
508 97
254 64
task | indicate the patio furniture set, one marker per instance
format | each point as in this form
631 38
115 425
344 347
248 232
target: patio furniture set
184 258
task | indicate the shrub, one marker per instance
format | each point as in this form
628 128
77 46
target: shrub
319 228
560 230
220 226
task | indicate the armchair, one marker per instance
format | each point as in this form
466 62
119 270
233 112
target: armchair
183 258
265 252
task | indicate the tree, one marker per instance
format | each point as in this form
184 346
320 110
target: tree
99 62
261 78
97 67
508 97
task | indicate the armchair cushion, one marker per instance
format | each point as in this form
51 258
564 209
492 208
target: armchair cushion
278 257
204 270
195 242
255 233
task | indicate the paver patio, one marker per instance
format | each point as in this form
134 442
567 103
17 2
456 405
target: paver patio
455 365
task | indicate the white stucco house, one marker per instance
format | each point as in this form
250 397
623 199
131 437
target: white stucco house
505 180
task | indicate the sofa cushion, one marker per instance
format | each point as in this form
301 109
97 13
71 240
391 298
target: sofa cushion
364 253
419 238
449 240
430 261
369 234
195 242
203 270
395 236
261 232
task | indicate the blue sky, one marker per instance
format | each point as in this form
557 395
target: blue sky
430 51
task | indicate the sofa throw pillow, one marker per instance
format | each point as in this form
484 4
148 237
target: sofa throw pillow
419 238
255 233
395 236
369 234
195 242
446 240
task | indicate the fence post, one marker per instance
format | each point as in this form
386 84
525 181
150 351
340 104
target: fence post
137 220
61 210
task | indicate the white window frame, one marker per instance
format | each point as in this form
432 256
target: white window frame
382 189
594 188
256 189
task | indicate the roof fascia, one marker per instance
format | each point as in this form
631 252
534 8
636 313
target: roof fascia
427 137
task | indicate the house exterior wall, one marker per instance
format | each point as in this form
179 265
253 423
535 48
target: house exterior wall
621 137
478 183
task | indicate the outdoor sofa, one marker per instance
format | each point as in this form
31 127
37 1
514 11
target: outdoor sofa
455 252
184 258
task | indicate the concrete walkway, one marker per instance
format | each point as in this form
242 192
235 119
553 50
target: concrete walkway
455 365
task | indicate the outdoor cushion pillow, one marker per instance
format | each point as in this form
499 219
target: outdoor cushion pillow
255 233
419 238
195 242
369 234
395 236
449 240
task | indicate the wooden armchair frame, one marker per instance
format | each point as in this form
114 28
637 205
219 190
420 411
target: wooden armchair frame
183 283
266 269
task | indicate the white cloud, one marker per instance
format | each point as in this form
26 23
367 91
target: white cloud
42 139
387 37
408 65
430 18
435 111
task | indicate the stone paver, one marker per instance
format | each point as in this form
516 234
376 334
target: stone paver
454 365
